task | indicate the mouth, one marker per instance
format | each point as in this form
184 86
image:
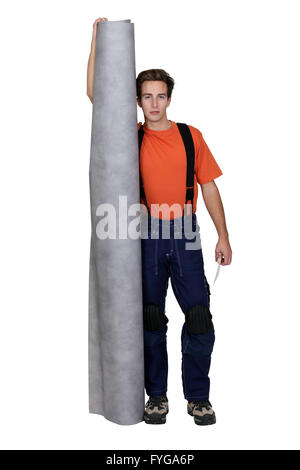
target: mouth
154 112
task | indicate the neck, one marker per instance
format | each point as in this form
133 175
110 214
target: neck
160 125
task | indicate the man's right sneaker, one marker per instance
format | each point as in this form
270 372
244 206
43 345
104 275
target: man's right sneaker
202 412
156 409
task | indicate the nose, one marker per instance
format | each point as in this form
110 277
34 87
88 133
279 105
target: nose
154 103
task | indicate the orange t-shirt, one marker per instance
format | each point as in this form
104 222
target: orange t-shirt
163 168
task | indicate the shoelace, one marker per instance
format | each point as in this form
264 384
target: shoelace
202 404
156 401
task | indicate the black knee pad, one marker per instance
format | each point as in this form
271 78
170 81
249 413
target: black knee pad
199 320
153 317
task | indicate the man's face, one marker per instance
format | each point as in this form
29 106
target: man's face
154 98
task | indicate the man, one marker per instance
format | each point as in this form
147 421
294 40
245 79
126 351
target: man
165 150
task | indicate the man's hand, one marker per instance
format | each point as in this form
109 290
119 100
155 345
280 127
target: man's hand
94 37
223 247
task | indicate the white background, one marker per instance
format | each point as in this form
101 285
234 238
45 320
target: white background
236 71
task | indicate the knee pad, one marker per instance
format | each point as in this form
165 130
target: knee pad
199 320
153 317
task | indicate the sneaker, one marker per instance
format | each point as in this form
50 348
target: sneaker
156 409
202 412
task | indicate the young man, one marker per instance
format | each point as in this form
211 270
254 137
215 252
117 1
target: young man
164 164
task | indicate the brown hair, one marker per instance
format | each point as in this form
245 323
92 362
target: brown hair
151 75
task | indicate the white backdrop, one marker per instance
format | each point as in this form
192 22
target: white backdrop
236 71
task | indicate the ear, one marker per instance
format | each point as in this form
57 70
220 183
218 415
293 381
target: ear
169 101
138 102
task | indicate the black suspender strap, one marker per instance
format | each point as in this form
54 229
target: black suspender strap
190 161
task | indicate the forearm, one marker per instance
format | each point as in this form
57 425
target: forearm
213 203
91 71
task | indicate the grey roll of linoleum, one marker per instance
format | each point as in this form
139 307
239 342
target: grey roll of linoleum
115 330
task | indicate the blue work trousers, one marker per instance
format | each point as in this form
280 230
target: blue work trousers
164 258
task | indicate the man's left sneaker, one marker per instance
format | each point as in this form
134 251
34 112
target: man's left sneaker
202 412
156 409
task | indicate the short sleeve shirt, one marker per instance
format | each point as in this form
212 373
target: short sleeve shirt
163 168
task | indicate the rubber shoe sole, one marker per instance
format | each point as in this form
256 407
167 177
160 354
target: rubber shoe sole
155 419
203 420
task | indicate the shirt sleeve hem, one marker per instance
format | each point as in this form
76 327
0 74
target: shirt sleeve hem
211 178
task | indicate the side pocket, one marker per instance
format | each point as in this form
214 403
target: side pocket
208 289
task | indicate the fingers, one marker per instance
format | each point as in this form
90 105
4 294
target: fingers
223 258
98 20
226 259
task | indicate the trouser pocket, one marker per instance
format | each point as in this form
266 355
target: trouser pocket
207 286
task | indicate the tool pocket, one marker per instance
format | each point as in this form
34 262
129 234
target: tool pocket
207 289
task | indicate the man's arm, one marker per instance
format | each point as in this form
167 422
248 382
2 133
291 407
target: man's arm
91 62
213 203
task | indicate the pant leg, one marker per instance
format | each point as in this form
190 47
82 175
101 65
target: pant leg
192 292
155 276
